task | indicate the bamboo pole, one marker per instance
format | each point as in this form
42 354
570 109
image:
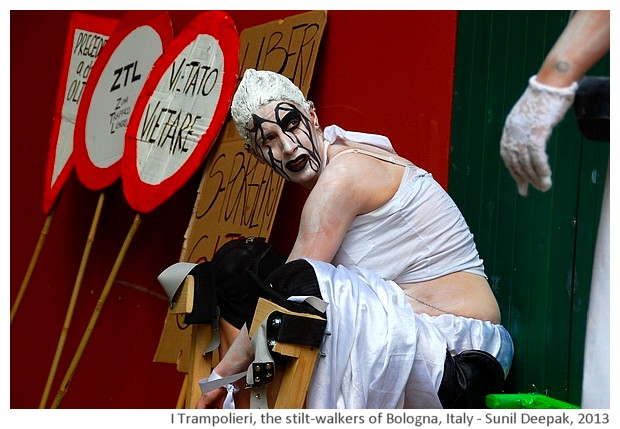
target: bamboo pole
95 316
72 302
33 262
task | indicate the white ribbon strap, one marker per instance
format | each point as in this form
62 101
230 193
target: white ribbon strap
313 301
215 381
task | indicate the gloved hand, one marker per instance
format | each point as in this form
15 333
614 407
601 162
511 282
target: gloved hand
527 129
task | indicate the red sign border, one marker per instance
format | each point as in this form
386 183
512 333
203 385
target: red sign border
144 197
85 22
93 177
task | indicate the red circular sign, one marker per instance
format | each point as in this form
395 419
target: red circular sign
181 110
86 37
116 80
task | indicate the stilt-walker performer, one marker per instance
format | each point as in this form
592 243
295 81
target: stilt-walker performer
387 249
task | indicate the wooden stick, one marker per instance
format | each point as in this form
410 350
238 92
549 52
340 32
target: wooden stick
72 302
33 262
93 320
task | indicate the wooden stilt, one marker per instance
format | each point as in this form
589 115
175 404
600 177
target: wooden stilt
182 394
72 302
33 262
297 375
95 316
201 365
292 383
292 391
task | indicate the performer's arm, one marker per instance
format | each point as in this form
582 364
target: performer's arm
582 43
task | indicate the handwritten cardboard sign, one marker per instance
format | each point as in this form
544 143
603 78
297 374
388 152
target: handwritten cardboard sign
86 38
109 96
181 110
239 196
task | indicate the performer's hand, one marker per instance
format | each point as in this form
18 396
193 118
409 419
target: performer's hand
527 129
212 399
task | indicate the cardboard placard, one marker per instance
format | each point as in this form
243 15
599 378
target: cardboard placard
181 110
109 96
86 38
239 196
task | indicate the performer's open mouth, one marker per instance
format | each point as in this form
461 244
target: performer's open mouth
297 164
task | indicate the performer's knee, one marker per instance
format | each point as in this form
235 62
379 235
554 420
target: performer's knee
295 278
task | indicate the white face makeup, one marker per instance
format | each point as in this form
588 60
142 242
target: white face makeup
287 139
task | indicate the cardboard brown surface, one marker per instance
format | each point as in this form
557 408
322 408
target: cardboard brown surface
238 196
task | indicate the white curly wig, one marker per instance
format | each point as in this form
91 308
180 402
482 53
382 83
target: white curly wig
260 87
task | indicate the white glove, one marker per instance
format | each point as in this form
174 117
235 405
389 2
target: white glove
527 129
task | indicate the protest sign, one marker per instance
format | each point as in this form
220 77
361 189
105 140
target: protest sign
86 37
238 195
116 80
181 110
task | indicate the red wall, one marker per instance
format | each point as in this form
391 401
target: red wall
387 72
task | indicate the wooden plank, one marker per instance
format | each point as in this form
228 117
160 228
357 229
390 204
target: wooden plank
301 359
296 379
184 303
201 365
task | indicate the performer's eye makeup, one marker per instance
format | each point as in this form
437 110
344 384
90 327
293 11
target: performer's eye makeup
291 120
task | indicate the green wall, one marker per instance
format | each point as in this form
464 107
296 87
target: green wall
537 250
